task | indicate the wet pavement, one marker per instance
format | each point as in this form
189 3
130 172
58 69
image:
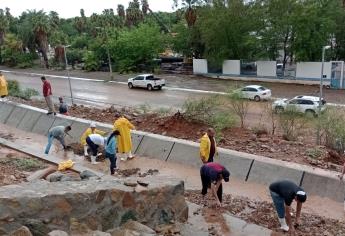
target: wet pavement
280 90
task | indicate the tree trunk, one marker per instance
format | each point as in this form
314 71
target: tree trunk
43 45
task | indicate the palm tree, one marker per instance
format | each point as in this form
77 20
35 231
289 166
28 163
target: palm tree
34 28
144 6
189 9
133 14
4 23
121 11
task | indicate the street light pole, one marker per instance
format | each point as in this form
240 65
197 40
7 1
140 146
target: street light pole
320 95
109 59
69 78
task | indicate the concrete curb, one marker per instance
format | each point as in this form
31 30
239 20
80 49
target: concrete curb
243 166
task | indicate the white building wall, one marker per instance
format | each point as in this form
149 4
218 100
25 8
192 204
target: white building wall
266 68
312 70
200 66
232 67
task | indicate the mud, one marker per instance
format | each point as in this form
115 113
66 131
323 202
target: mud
263 213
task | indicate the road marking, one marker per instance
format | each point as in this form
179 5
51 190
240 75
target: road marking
125 83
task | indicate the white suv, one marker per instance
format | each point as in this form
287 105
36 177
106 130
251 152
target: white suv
304 104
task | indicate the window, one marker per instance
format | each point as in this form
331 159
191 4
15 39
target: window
294 101
252 89
139 78
306 102
262 88
244 89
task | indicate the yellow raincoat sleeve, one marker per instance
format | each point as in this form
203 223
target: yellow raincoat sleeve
84 136
87 133
205 146
100 132
3 86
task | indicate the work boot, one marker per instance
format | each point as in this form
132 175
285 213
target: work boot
93 160
283 225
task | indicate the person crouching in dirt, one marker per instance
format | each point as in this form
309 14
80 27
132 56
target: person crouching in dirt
58 133
208 146
110 150
88 131
212 175
283 193
94 141
63 109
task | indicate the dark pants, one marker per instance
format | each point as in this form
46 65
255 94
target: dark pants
94 147
210 159
112 158
206 183
279 204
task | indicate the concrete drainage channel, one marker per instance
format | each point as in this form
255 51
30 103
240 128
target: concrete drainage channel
243 166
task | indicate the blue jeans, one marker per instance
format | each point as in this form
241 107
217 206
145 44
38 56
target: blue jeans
112 158
50 142
279 204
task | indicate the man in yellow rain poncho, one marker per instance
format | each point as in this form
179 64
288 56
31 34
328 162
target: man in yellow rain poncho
88 131
124 141
3 86
208 146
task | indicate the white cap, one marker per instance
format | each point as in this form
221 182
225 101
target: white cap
93 125
302 193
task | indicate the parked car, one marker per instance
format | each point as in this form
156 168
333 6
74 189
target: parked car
255 92
146 81
304 104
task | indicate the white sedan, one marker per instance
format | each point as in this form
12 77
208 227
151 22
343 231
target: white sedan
255 92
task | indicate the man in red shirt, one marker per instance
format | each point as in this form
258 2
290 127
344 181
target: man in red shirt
47 93
212 175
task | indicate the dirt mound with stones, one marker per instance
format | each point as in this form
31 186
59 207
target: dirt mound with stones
264 214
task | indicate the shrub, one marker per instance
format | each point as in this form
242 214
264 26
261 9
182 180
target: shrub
239 105
292 123
15 90
209 111
314 153
91 62
202 109
333 129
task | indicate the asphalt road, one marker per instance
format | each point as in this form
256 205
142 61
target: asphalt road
191 82
100 93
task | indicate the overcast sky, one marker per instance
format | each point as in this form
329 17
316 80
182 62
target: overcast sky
71 8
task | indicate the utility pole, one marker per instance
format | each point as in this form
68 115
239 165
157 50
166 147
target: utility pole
69 78
320 95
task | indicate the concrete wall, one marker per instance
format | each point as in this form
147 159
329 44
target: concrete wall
312 70
200 66
243 166
266 68
232 67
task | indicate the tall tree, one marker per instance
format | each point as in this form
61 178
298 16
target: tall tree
4 23
144 6
34 30
133 14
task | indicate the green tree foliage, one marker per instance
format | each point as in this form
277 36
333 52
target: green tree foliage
225 32
136 47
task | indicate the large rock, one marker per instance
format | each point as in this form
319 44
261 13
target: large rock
22 231
92 205
58 233
136 226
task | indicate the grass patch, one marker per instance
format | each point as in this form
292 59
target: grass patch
23 164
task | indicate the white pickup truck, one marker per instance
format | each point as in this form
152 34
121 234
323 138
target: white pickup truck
146 81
